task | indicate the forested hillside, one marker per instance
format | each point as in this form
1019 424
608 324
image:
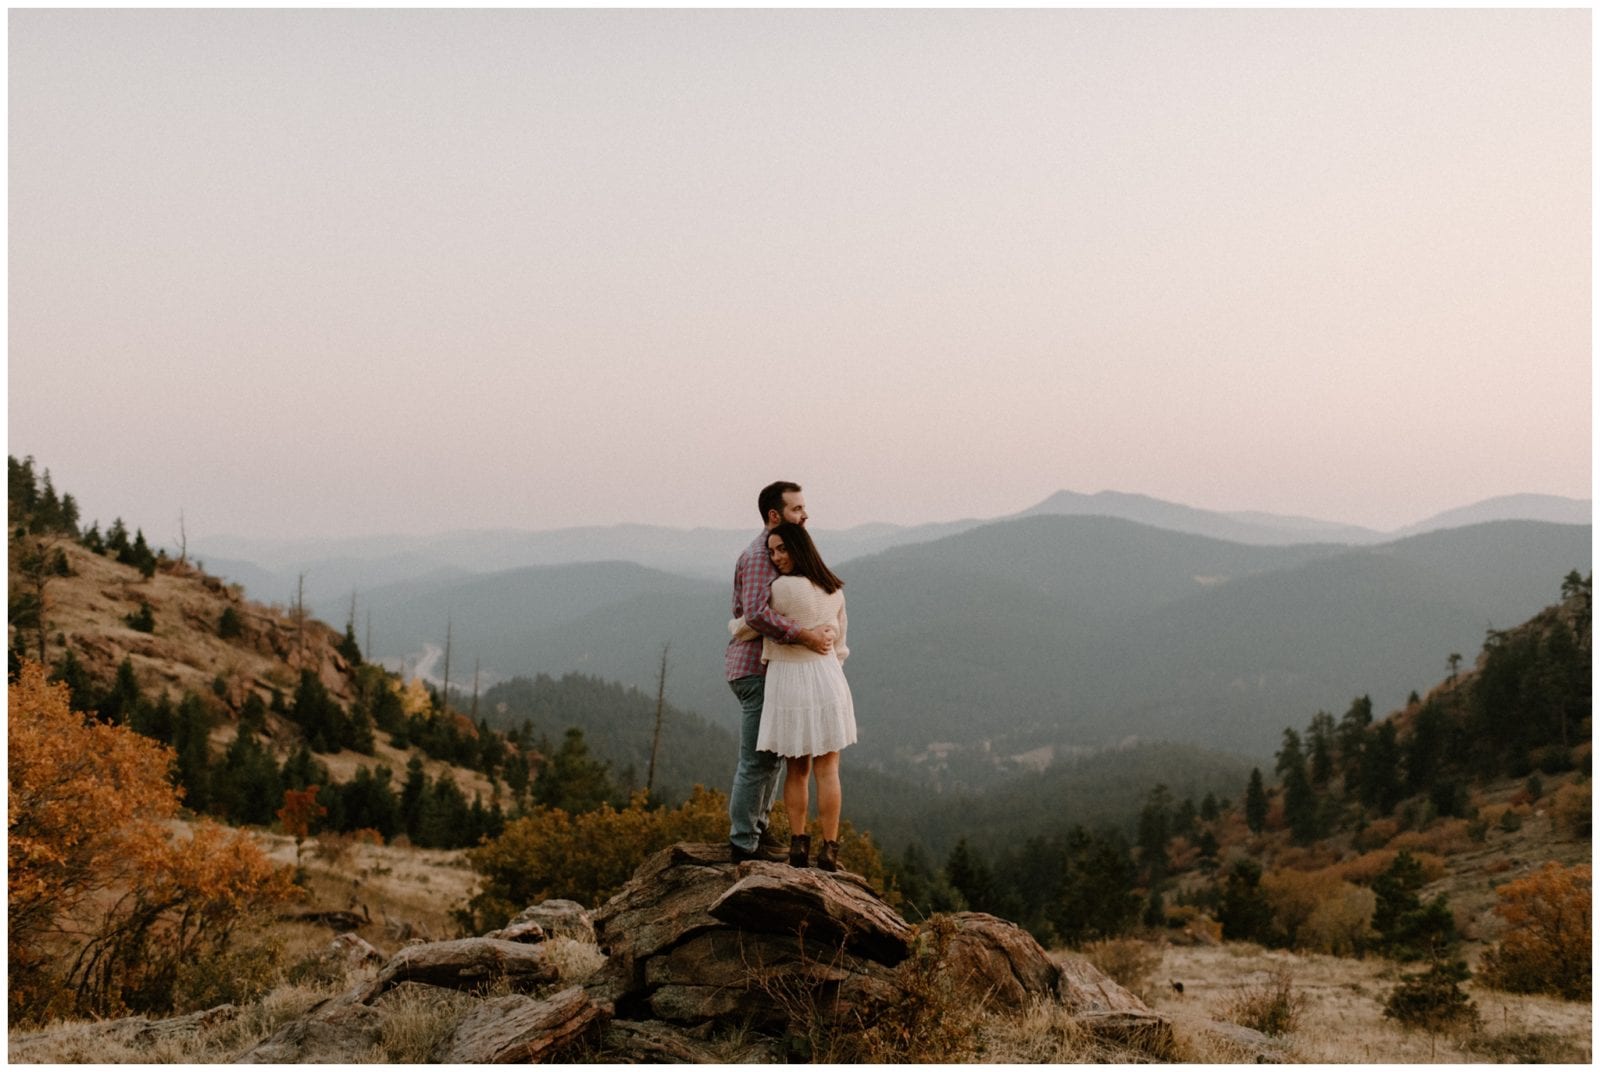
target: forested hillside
1371 834
257 701
1047 632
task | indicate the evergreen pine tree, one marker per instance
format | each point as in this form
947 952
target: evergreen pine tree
1255 803
248 788
573 780
71 672
157 720
969 876
119 705
191 736
411 796
117 545
1242 908
1096 898
1299 800
1321 736
142 620
302 770
1155 828
22 492
1352 734
1380 785
444 819
348 646
93 541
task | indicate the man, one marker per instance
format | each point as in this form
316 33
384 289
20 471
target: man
755 780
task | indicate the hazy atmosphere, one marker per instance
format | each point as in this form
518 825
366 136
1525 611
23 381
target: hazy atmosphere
348 272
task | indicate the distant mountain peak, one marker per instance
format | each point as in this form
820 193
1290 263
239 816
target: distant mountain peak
1556 509
1258 529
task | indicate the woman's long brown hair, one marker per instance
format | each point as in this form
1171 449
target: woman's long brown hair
803 554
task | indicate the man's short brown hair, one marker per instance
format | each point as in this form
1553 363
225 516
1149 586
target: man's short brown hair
771 497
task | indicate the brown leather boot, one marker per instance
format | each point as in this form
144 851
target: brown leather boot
828 856
799 850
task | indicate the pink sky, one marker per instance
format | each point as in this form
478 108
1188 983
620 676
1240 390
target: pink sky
300 273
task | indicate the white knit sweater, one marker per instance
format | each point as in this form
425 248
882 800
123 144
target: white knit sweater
809 607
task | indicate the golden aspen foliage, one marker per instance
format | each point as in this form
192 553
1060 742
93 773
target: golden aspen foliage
414 697
106 898
1547 945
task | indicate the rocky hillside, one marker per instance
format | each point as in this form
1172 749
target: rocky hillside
700 960
117 619
185 650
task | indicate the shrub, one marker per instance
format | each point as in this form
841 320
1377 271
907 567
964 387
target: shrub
1570 810
1318 910
585 858
1441 838
1547 946
1129 962
105 905
1376 834
1271 1007
1341 922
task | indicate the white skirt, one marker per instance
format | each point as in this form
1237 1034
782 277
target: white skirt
807 710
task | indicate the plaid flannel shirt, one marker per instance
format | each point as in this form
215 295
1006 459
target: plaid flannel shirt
752 588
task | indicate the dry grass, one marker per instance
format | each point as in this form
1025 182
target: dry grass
416 1021
1342 1019
118 1041
1130 962
1271 1006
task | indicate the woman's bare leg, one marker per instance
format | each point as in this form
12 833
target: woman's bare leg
797 792
828 795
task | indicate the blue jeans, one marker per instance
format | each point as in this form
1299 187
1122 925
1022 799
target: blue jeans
755 781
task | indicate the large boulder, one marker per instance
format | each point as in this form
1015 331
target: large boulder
709 961
694 938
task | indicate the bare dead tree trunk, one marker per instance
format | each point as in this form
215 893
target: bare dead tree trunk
183 541
661 706
445 693
475 690
300 621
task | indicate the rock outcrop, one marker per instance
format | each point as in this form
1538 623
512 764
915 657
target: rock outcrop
711 961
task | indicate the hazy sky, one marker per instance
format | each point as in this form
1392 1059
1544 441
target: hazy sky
341 272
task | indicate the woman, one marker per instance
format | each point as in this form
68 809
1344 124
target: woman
808 715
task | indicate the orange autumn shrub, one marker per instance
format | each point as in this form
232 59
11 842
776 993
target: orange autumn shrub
1319 911
1571 811
1443 837
1369 865
1547 946
104 902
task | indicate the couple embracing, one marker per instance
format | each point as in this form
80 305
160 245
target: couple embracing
784 665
